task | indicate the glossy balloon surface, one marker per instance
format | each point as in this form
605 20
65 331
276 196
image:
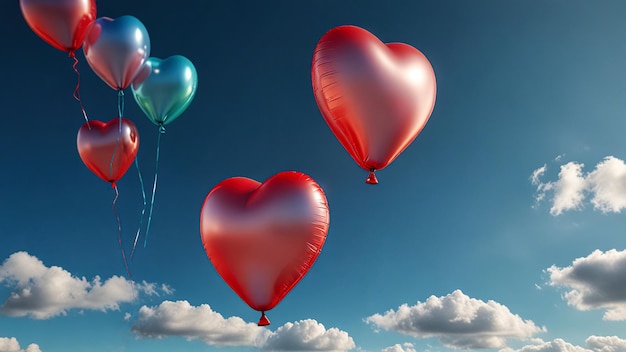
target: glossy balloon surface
116 49
165 88
375 97
61 23
262 238
105 150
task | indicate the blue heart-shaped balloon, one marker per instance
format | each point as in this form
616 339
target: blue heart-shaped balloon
165 88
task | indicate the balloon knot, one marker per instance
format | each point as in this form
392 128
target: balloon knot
371 179
161 128
113 185
71 54
263 321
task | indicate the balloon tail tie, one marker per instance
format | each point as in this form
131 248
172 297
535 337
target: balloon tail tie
77 89
143 211
264 321
154 183
371 179
119 227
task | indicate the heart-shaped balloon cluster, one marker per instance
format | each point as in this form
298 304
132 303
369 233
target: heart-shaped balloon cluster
262 238
118 52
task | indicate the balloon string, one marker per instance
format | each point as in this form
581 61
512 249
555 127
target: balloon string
120 112
154 184
143 211
119 228
77 89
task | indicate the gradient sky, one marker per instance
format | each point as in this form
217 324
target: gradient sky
498 229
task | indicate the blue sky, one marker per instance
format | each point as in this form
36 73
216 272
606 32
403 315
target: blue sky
498 229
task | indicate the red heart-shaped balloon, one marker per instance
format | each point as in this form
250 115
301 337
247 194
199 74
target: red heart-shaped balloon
108 149
61 23
375 97
262 238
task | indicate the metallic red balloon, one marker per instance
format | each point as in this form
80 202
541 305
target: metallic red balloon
108 149
61 23
262 238
375 97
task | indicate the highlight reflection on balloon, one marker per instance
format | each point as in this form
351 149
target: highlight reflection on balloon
262 238
375 97
116 49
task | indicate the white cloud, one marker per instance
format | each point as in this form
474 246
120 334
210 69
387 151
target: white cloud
308 335
536 175
167 289
605 185
557 345
606 344
203 323
405 347
10 344
595 282
568 190
594 344
182 319
43 292
458 321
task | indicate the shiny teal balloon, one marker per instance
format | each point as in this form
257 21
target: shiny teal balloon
165 88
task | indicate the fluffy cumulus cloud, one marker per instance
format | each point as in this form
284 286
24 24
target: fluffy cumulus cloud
42 292
184 320
606 344
405 347
458 321
605 186
568 190
557 345
11 345
595 282
594 344
308 335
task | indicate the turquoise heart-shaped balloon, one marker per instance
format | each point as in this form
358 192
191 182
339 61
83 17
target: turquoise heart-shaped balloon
165 88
